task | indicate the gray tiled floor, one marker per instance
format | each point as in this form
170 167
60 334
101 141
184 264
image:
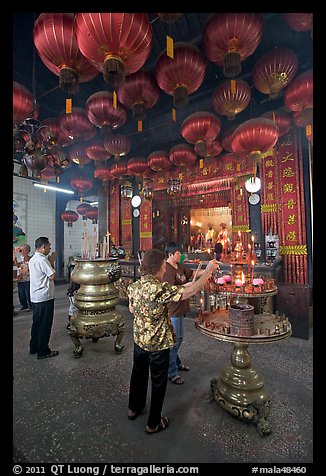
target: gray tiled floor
70 410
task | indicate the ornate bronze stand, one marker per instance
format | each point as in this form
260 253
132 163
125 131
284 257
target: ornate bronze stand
96 300
240 389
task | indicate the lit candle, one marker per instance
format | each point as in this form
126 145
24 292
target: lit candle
252 268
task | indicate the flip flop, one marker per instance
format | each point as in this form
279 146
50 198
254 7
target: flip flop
177 380
164 423
136 414
184 367
53 353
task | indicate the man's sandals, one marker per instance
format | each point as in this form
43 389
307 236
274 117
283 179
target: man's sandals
177 380
184 367
164 423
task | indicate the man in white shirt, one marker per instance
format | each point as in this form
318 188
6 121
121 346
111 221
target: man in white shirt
42 277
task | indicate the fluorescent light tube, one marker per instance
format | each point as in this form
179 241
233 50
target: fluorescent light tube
50 187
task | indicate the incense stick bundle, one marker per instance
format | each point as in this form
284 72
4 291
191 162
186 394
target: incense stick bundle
196 272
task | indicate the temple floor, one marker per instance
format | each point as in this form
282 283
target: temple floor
68 410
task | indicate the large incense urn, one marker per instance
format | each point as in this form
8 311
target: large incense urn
95 301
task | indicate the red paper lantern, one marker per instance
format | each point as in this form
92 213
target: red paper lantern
92 214
118 145
102 113
139 92
183 74
81 184
212 149
231 97
230 38
48 173
282 119
69 216
119 168
274 71
103 172
298 96
23 104
96 151
137 165
182 154
76 125
200 128
78 155
254 137
118 44
56 43
299 21
82 208
159 160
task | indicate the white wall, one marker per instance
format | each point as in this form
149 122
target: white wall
40 219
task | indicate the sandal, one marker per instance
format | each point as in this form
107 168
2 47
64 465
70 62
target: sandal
164 423
133 415
53 353
184 367
177 380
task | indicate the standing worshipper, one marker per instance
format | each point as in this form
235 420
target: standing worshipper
21 261
154 335
42 277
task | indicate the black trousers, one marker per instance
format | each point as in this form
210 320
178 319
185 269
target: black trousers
41 327
24 294
158 364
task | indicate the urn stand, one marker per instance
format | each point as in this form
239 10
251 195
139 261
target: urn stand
95 301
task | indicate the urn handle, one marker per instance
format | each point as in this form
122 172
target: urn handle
113 272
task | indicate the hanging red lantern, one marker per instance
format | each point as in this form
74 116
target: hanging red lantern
230 38
137 165
139 92
36 162
78 155
80 183
101 112
118 145
92 214
182 154
69 216
231 97
212 149
76 125
82 208
56 43
199 129
159 160
274 71
254 137
183 74
48 173
119 168
96 151
299 21
118 44
298 96
103 172
282 119
23 103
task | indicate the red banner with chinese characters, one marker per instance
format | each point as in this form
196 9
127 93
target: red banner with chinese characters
126 224
240 214
114 212
145 225
270 193
292 234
